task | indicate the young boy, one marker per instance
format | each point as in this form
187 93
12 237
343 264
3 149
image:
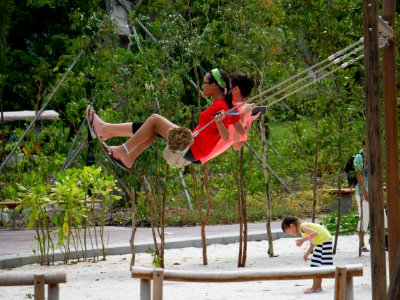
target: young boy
320 241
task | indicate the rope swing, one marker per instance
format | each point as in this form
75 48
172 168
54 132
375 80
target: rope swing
311 72
180 139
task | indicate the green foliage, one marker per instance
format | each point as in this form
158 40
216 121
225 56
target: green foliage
42 153
75 192
65 205
34 200
300 204
156 260
6 10
270 40
348 223
29 296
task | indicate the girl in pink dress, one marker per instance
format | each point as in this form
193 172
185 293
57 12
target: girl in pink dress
241 86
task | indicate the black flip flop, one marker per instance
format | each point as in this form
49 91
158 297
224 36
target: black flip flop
116 162
90 122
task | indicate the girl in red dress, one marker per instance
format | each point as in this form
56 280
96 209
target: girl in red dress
215 84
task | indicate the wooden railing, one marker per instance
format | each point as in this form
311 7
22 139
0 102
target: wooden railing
38 281
343 191
343 277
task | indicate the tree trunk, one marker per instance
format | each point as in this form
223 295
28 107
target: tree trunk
315 178
391 134
340 170
131 193
242 215
374 153
267 188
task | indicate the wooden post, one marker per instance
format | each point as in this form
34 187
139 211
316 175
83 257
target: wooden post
349 288
38 283
394 287
343 284
340 283
374 151
158 280
391 134
132 194
145 293
53 292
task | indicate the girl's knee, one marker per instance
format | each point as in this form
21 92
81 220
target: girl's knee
154 118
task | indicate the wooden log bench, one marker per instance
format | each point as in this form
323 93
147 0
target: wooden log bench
343 277
343 191
38 281
346 195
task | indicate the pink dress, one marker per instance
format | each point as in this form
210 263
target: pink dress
206 140
222 145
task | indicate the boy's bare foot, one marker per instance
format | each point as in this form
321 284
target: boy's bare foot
312 290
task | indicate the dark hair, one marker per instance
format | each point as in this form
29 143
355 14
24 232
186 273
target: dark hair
229 99
244 82
226 79
287 221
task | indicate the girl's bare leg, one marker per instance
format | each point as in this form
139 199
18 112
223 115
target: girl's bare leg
142 139
316 287
108 130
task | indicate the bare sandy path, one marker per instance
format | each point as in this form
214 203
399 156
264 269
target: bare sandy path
111 279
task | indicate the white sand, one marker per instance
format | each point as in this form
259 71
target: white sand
111 279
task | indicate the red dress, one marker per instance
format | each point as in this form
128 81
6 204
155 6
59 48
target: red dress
222 145
206 140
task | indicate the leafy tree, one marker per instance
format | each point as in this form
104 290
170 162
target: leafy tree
270 40
43 31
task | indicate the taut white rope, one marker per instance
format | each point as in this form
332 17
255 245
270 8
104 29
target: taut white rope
333 59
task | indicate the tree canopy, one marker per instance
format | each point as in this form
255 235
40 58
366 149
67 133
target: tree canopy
173 44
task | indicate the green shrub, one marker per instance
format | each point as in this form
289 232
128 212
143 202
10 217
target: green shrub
348 223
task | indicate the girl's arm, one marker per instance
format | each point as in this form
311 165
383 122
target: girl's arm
312 246
237 144
222 130
311 234
359 167
361 184
239 128
236 135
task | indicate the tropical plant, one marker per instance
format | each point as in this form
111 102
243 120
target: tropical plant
69 206
348 224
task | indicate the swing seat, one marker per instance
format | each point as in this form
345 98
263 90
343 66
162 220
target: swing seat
178 143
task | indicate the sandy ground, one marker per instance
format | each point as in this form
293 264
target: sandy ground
111 279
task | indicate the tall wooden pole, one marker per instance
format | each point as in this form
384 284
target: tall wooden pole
391 134
374 149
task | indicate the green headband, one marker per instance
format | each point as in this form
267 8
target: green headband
218 78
